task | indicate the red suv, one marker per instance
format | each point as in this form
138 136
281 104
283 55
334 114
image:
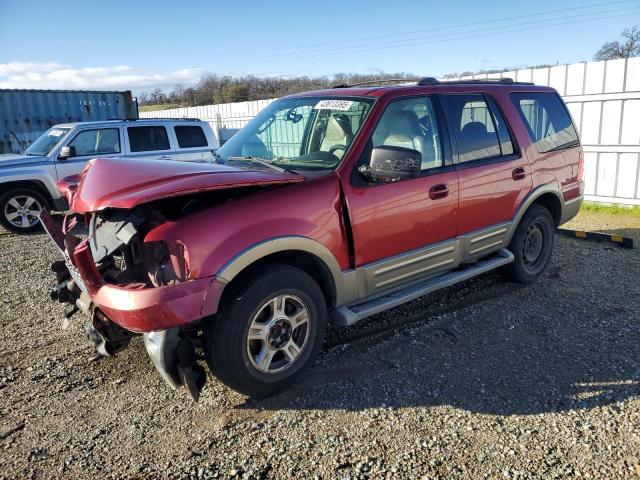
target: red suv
328 206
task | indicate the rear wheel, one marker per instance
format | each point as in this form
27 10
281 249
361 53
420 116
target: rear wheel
19 210
268 331
531 246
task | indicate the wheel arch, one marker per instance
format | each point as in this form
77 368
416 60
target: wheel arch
304 253
548 196
36 185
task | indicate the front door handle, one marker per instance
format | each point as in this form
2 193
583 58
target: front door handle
518 173
438 191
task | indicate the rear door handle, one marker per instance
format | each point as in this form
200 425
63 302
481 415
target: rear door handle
518 173
438 191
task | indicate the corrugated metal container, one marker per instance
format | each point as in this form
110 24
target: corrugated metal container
26 114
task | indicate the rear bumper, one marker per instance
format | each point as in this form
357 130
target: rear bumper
573 198
134 308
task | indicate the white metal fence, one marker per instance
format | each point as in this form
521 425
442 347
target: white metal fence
603 97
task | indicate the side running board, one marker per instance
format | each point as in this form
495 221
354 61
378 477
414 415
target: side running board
348 315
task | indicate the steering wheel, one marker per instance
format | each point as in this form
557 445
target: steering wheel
337 147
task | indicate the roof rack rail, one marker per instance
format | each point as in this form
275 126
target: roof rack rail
376 82
503 81
434 81
173 119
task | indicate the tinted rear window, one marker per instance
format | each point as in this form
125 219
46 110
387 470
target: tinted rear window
547 120
148 139
190 136
479 128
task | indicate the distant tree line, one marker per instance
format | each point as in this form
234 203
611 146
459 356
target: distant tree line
226 89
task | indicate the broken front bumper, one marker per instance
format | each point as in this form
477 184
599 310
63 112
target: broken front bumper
134 308
115 311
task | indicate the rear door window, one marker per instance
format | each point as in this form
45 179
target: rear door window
478 126
148 138
102 141
190 136
547 120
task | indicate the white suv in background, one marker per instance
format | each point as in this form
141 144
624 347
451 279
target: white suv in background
28 180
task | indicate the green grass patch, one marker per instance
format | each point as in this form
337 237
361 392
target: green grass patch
610 209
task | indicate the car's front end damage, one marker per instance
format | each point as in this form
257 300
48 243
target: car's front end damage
118 269
128 287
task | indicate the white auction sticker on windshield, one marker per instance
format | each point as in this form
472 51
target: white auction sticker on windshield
56 133
333 105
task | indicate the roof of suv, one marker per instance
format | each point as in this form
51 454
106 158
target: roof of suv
453 86
132 121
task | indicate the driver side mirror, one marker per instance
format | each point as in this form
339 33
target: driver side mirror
391 164
67 152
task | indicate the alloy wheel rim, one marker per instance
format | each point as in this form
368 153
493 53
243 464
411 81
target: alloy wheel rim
22 211
278 334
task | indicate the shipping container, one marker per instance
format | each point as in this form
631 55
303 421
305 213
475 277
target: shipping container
26 114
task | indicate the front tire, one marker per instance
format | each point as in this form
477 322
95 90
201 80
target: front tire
531 246
19 210
268 332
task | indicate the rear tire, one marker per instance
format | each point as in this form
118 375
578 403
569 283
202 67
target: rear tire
531 246
268 331
19 208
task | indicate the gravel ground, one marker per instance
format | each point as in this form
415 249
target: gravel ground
490 380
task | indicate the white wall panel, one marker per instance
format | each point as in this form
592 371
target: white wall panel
633 75
631 123
590 172
627 175
557 76
524 75
541 76
575 109
591 122
614 79
607 172
594 78
575 78
611 111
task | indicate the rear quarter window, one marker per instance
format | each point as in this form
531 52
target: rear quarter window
547 120
190 136
148 138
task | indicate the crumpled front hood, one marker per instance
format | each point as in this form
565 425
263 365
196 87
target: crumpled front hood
128 182
16 160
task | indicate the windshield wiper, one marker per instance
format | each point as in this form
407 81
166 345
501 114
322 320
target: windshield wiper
263 161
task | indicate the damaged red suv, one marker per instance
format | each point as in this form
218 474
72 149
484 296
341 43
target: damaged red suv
329 206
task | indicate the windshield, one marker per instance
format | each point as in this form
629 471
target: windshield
307 133
46 141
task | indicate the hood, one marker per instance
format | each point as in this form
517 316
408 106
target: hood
14 160
127 182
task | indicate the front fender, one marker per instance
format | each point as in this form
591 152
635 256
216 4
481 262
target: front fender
41 173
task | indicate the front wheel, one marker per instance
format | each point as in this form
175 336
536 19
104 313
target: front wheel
531 246
19 210
268 331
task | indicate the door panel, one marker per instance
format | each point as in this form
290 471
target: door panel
395 218
405 230
493 177
90 143
489 195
